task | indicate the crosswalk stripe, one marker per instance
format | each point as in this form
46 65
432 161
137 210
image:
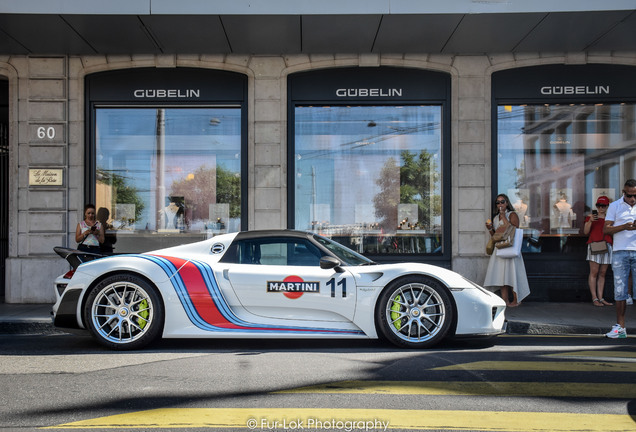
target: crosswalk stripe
544 366
472 388
357 419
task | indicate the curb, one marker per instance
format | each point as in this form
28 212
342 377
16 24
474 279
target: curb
28 328
526 328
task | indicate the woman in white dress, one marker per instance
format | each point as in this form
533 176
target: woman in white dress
506 274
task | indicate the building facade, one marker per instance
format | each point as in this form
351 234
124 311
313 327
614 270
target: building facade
397 154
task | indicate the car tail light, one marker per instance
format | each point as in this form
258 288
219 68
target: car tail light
69 274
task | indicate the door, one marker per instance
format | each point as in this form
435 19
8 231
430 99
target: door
281 278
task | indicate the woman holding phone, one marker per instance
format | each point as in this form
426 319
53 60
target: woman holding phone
599 262
89 232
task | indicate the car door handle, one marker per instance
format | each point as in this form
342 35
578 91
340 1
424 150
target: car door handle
226 274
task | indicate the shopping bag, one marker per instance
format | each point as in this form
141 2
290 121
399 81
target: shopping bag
514 250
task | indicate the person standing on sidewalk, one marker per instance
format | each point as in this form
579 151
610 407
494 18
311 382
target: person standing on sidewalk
506 274
89 233
599 262
619 222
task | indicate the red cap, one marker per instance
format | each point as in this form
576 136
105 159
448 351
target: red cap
603 200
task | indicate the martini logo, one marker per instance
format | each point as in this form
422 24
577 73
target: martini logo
293 287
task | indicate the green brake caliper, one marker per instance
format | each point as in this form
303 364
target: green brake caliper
143 307
395 315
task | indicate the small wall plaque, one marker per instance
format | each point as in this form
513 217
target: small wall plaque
46 177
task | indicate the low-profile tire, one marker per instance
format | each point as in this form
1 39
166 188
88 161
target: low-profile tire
124 312
414 312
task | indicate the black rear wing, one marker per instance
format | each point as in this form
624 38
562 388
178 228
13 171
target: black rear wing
76 257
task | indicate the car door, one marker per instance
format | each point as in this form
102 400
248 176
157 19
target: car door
281 278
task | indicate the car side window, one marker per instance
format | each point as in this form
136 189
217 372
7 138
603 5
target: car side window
297 252
274 253
303 254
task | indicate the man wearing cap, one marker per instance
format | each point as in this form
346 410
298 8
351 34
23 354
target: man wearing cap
599 260
619 223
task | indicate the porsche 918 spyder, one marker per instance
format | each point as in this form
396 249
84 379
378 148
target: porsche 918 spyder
268 284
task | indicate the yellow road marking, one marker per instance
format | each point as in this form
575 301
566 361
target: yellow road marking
278 419
544 366
466 388
617 354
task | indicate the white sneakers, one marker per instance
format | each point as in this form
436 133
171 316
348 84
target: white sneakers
617 332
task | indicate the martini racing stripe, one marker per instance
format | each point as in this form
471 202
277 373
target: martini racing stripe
172 272
203 302
215 292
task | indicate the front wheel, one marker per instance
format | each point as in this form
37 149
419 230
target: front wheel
124 312
414 312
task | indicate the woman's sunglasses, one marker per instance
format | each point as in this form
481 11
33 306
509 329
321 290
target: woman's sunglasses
601 205
500 202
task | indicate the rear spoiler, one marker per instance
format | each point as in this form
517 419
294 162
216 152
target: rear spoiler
76 257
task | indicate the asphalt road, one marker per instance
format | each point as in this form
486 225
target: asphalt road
516 383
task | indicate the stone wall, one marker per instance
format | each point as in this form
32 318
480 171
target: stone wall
47 92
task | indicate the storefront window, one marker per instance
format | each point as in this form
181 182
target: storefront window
167 176
370 177
554 160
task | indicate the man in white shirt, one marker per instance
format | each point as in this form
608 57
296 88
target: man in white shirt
619 222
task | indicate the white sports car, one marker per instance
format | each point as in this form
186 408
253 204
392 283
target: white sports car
268 284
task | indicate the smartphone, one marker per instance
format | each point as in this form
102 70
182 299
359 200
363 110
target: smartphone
594 212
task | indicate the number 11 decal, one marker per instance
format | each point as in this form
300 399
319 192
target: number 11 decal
342 283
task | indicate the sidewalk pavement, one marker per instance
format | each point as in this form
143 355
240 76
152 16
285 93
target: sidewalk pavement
534 318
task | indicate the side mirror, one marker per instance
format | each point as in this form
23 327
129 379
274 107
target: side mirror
329 262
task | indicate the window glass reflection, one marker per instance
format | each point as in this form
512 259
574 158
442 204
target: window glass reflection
168 175
370 176
555 160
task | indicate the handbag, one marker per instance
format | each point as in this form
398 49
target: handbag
490 247
507 238
514 250
599 247
497 236
501 235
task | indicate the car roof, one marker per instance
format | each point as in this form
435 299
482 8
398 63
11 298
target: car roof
272 233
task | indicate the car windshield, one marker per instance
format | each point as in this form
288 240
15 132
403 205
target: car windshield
346 255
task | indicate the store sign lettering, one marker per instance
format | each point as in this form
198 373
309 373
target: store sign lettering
166 93
369 92
575 90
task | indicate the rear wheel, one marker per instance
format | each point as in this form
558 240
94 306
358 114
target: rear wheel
124 312
414 312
